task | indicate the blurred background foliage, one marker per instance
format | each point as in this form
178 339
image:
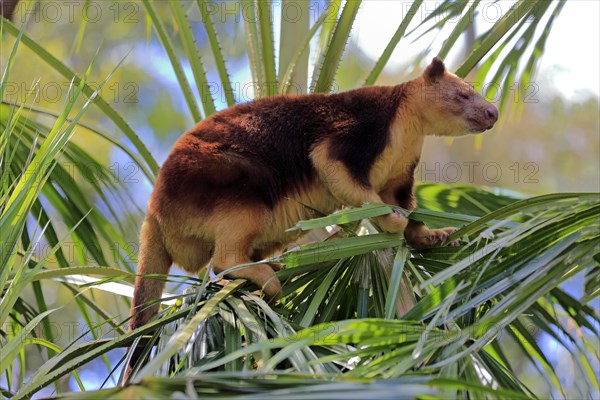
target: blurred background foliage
552 132
545 141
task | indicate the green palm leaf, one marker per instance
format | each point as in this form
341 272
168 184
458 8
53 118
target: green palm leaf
189 44
175 62
335 49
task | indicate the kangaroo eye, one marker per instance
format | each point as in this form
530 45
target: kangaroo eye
464 96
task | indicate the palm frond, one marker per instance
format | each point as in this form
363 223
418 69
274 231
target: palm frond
217 52
191 50
175 62
88 91
335 48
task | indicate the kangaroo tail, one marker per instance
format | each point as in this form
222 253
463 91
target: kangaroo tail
153 259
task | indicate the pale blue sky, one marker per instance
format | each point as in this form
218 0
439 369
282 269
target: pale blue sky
571 61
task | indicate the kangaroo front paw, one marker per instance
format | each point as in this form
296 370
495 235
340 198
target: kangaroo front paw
393 223
272 290
425 237
450 230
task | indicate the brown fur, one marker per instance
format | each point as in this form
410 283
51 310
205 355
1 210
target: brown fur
236 181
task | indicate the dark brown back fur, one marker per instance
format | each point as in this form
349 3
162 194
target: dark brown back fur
259 152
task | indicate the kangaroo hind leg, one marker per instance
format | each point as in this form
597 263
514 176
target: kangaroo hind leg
235 238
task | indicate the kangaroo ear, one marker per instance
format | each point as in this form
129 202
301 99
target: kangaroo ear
434 71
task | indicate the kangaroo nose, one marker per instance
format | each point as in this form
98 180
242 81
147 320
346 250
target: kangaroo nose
492 114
